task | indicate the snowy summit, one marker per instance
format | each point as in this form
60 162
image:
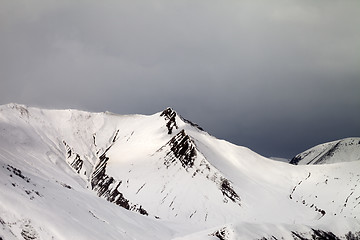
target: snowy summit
69 174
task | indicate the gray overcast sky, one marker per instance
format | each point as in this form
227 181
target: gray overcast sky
275 76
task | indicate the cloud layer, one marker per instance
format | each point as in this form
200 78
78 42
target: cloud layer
275 76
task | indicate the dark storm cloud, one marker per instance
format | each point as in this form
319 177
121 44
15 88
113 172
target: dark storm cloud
275 76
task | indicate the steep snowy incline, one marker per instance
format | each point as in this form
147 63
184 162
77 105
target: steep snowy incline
158 171
344 150
34 206
176 180
309 193
43 196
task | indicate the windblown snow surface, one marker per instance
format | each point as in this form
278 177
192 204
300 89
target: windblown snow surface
344 150
68 174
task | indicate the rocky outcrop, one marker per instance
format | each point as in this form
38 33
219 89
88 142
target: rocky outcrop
183 149
170 116
228 191
222 234
295 160
108 187
73 159
28 232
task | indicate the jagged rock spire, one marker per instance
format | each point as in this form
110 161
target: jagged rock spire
170 116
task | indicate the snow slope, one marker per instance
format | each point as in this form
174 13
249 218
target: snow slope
68 174
344 150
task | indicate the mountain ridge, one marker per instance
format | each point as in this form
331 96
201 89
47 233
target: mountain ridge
326 153
177 181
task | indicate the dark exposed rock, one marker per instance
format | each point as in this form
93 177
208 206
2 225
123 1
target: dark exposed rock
295 160
65 185
142 211
77 163
94 139
352 236
27 235
222 234
316 234
298 236
303 201
322 235
68 149
17 172
22 109
228 191
115 136
170 117
28 232
182 148
107 187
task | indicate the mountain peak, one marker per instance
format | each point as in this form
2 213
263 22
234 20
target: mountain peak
170 116
62 161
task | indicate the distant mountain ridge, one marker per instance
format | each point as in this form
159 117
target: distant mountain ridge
70 174
344 150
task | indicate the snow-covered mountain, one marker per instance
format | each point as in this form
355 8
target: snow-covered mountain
344 150
69 174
